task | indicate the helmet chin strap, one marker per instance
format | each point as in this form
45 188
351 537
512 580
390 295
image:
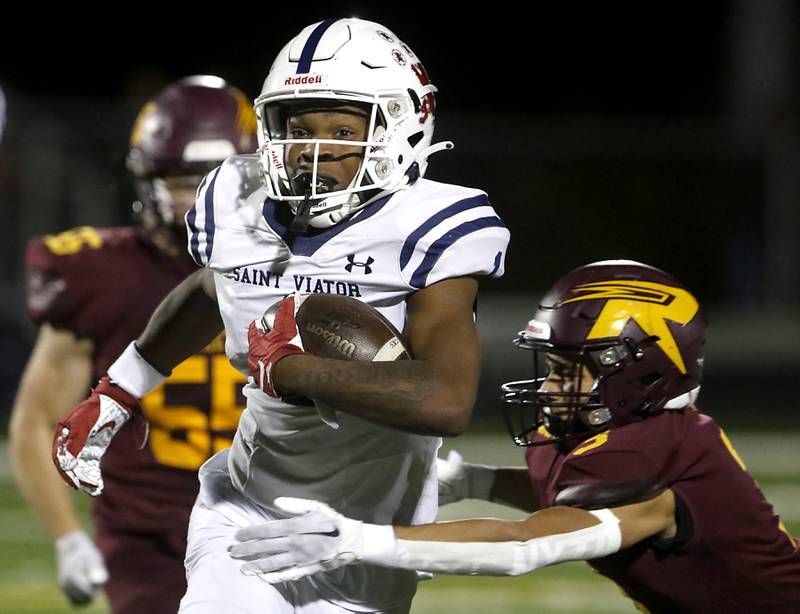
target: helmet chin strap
301 183
302 216
331 210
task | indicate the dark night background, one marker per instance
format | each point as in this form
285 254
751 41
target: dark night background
666 133
561 58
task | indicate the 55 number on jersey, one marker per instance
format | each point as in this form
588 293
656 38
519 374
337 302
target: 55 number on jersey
184 435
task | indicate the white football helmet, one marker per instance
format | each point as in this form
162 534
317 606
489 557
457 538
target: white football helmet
349 61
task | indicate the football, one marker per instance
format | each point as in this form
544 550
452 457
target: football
334 326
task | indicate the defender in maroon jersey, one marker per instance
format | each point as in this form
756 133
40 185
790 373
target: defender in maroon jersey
91 291
638 336
610 421
624 470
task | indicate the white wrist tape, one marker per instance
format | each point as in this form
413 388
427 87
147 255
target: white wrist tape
505 558
134 374
378 542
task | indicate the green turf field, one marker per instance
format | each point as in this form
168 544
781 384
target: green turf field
27 576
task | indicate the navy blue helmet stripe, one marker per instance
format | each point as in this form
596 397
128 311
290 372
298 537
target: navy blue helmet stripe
412 240
439 246
307 55
209 202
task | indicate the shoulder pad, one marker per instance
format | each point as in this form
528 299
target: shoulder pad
71 241
63 270
451 232
222 192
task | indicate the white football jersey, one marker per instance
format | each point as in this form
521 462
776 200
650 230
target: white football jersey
411 239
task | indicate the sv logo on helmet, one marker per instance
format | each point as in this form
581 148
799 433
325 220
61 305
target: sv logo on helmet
648 303
428 104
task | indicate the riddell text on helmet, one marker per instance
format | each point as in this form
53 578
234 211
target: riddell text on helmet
303 80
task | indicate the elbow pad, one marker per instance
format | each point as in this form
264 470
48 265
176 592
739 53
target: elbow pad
509 558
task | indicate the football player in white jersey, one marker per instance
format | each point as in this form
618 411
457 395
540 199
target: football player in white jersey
334 202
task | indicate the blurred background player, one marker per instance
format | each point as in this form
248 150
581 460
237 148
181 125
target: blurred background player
91 291
609 422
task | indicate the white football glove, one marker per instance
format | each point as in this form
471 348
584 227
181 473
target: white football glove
81 571
317 539
460 480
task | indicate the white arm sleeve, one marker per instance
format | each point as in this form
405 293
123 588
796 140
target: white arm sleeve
504 558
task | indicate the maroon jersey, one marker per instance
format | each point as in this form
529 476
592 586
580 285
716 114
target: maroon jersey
732 553
103 284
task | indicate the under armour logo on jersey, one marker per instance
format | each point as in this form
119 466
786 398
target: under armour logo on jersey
352 260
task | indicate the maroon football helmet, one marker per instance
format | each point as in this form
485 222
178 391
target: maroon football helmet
188 129
613 342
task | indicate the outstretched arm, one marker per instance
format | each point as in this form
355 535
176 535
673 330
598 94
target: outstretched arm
432 394
320 539
636 522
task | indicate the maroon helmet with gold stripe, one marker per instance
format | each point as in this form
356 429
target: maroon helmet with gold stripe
189 128
613 342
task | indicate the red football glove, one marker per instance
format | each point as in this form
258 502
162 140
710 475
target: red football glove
85 434
268 346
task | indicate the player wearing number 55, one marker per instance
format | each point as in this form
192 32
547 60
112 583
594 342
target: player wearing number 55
91 291
625 470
